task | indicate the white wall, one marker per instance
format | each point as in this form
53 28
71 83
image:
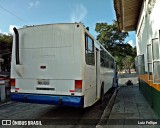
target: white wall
148 27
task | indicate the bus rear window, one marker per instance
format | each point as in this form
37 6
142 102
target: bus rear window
89 49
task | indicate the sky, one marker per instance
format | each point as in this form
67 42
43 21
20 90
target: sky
18 13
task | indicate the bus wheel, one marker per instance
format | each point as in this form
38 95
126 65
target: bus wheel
102 95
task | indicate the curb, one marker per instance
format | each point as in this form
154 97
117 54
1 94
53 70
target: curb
107 111
6 103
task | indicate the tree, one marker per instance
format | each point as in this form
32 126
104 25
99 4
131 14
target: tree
128 63
114 41
5 50
109 36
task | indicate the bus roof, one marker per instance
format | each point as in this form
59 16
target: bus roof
26 26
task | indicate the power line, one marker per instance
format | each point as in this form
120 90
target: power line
13 14
4 2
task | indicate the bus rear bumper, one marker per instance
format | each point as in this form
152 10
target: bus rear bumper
74 101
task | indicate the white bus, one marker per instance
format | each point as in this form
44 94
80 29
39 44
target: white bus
59 64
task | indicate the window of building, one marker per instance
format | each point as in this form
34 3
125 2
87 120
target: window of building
149 60
156 60
89 46
155 48
150 77
149 53
140 67
156 70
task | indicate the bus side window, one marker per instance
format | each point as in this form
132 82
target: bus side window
106 60
89 47
112 65
102 58
107 64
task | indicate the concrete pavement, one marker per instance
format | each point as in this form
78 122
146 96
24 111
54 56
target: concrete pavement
129 110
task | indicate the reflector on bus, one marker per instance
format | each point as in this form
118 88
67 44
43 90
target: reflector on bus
16 89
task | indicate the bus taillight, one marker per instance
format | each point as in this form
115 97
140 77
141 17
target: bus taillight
13 82
78 85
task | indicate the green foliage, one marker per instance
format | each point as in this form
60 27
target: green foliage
118 60
114 41
128 63
5 51
109 35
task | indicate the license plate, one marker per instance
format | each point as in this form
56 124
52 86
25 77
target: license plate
43 82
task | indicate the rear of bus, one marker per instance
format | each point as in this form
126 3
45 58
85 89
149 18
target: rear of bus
50 69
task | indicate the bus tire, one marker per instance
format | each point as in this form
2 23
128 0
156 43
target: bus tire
102 94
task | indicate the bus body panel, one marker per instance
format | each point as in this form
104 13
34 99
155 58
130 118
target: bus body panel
50 46
74 101
48 53
108 78
90 85
56 87
52 59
